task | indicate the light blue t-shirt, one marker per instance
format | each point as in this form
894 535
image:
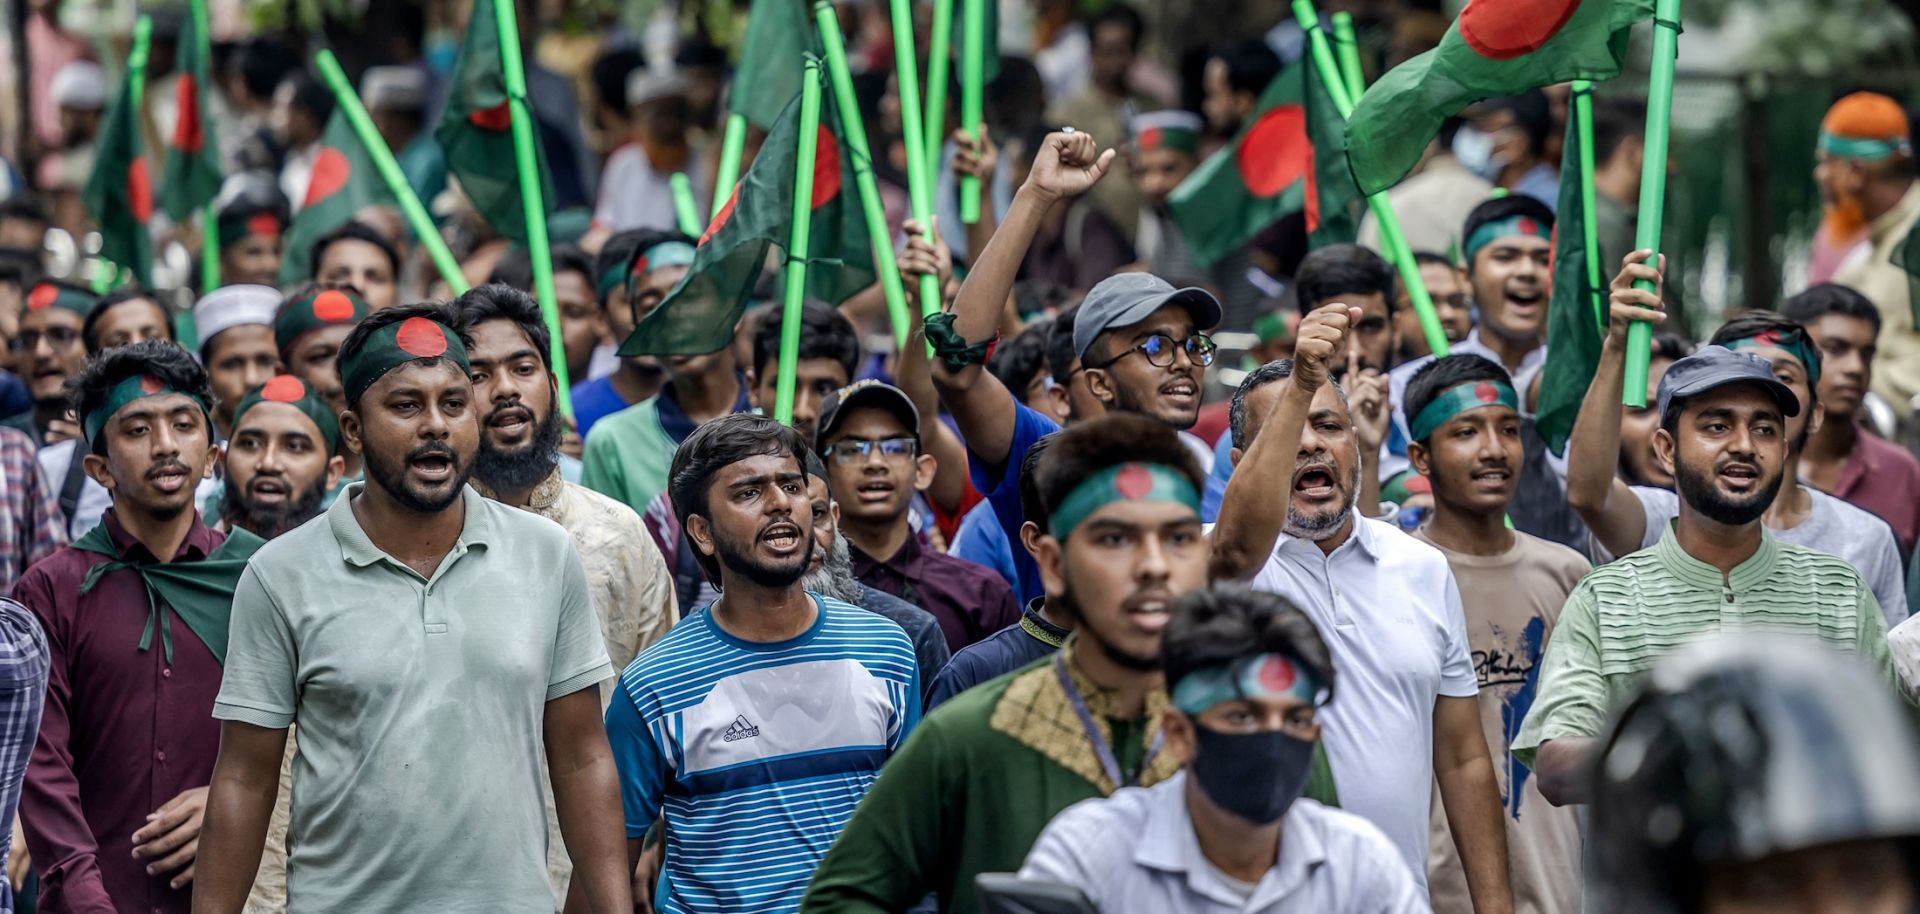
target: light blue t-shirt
758 752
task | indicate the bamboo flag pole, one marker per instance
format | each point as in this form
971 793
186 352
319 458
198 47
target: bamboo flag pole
1589 222
853 130
798 243
919 177
939 64
1348 48
1653 185
685 213
531 203
383 162
1390 235
733 145
973 68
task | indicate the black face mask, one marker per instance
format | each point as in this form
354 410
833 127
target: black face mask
1255 776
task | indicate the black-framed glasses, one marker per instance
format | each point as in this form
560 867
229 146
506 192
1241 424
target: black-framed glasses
1159 349
849 451
57 337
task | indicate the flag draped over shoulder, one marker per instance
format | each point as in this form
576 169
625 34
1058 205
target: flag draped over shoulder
699 315
191 178
343 183
1289 156
773 59
1495 48
1576 312
119 193
476 130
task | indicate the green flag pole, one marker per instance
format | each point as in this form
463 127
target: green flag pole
684 211
1589 225
939 65
531 203
1653 186
919 179
797 244
854 133
973 66
209 226
733 145
1390 236
389 169
1348 48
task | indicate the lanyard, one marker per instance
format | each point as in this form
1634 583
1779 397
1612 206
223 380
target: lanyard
1101 749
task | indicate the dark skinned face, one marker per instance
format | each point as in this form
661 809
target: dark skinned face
1473 460
1131 383
418 430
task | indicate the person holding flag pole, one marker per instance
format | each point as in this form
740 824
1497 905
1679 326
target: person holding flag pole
973 80
919 165
1653 187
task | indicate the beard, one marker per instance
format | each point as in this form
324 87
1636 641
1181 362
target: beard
1697 488
524 467
1843 218
391 476
834 578
269 521
737 557
1113 652
1319 527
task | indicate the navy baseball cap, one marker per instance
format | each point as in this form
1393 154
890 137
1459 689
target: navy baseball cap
862 393
1717 366
1125 299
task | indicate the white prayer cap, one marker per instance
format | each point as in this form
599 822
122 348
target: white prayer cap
645 85
233 306
394 88
80 85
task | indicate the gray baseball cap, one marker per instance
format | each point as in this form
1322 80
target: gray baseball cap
1717 366
1125 299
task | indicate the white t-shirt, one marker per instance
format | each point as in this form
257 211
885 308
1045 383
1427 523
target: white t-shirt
1387 606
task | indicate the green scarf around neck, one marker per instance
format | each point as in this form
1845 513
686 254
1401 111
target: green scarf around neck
200 593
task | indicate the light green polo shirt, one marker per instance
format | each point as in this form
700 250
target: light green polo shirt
1624 616
420 704
627 456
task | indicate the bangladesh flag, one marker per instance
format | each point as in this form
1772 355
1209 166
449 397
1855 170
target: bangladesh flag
1576 311
1495 48
476 131
1906 256
191 177
119 193
343 183
699 315
1290 156
773 59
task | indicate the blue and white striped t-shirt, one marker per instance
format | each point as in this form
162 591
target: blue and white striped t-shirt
758 752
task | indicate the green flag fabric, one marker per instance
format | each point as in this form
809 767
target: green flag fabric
699 315
344 182
1289 156
773 59
1576 311
191 178
476 130
1906 256
1495 48
200 593
119 193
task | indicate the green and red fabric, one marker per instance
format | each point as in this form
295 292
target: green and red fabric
191 178
772 60
135 387
200 593
292 391
698 316
395 345
1576 312
476 130
1495 48
49 294
240 223
344 183
1290 156
315 310
119 193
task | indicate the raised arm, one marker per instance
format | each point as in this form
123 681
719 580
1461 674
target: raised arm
1594 488
914 373
246 779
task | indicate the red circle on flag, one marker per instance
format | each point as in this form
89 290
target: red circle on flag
151 385
186 125
283 388
1275 152
1276 674
333 306
1150 139
1485 393
826 169
140 191
496 118
720 218
1505 29
42 297
1133 481
330 173
421 338
266 225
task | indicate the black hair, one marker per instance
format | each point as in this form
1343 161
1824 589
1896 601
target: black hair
119 297
1342 269
1060 352
1753 323
1085 448
1532 115
439 312
711 448
1221 625
516 268
1420 259
608 73
1016 361
1831 298
615 252
352 230
1276 370
24 208
1031 507
174 366
1506 207
1441 375
310 96
825 333
262 63
1122 15
499 301
696 51
1251 65
1615 120
1014 97
1670 346
644 240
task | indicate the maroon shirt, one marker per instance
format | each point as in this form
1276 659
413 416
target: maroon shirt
969 601
1884 479
122 732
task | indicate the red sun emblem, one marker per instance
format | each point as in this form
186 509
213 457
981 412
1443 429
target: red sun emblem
1133 481
1276 674
42 297
266 225
1486 393
1505 29
720 218
496 118
140 191
284 388
151 385
1767 337
421 338
333 306
330 173
826 169
187 135
1275 152
1150 139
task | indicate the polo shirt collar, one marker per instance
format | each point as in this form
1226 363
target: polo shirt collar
1697 573
358 549
1364 539
1168 844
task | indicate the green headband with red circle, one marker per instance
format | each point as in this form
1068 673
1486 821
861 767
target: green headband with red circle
1260 676
323 308
1122 482
1795 344
1488 232
395 345
128 390
295 393
1457 400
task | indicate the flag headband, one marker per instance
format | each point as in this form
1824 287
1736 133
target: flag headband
323 308
395 345
46 295
1459 399
261 222
128 390
1501 228
1862 148
295 393
1795 344
1122 482
664 254
1259 676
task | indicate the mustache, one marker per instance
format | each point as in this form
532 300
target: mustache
433 448
169 465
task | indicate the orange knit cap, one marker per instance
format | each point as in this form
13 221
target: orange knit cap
1864 125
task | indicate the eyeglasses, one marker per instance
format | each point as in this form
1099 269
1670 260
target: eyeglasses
57 338
1159 349
849 451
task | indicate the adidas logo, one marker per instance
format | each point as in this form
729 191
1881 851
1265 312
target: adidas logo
740 729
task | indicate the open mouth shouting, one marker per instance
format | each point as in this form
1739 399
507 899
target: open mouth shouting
876 490
1526 304
1739 477
269 490
169 478
1492 479
783 538
1180 393
1148 612
432 465
510 422
1315 482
